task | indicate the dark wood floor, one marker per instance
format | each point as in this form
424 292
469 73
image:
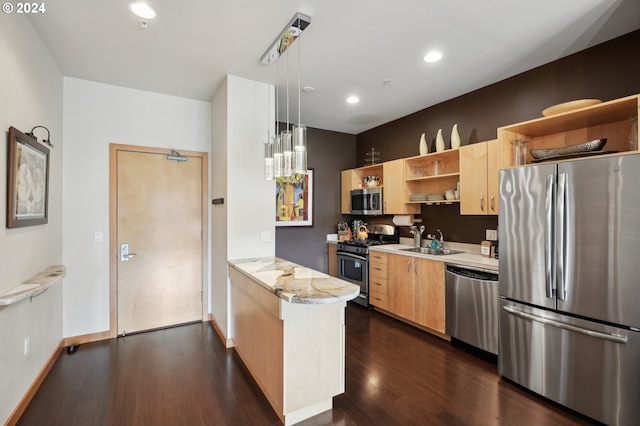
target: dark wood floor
396 375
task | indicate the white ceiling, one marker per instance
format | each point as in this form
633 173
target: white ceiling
351 47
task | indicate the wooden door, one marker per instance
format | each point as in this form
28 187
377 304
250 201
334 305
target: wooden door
160 217
473 179
429 294
400 285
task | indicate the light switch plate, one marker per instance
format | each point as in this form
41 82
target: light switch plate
265 236
98 237
492 235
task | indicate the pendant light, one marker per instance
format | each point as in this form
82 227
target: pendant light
287 142
300 131
268 145
286 153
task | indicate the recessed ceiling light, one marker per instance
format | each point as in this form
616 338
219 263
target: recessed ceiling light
433 56
353 99
142 10
307 89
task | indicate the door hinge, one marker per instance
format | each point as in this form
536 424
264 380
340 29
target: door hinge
201 295
201 235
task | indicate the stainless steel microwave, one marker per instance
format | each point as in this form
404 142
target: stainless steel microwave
366 201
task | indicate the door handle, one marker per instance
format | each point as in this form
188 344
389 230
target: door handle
124 253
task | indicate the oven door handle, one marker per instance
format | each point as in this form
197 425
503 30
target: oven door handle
353 256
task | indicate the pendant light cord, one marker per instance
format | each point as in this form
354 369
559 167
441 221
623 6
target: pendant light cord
299 62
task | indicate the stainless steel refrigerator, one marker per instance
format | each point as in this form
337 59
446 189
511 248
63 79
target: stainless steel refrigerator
569 285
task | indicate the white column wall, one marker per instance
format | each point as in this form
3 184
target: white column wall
30 95
241 117
96 115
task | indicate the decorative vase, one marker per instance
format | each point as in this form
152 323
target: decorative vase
439 141
455 137
424 148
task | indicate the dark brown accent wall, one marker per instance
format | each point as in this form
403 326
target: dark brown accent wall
328 154
608 71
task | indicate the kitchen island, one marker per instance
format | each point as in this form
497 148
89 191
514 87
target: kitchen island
287 325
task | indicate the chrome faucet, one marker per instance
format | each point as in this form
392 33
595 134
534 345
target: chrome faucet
439 243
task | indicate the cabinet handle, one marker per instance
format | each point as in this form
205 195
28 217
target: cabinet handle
377 298
415 267
385 206
482 203
409 265
377 269
377 283
492 203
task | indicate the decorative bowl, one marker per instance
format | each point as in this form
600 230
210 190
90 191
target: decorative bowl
591 146
569 106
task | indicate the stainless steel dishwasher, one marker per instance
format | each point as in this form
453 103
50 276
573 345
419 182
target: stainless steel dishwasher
472 306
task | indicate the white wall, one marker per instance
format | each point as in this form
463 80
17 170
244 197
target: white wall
240 123
96 115
30 95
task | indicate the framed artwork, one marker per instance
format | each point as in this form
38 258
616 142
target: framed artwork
294 200
27 181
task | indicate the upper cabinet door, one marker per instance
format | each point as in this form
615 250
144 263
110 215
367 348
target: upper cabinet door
473 179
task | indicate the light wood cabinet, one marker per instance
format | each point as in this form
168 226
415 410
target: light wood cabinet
609 120
400 285
428 300
420 176
391 180
378 280
394 189
416 290
480 164
332 259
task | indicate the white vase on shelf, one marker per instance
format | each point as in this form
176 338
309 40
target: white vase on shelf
455 137
439 141
424 148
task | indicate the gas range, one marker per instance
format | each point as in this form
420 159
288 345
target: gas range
353 258
378 235
360 246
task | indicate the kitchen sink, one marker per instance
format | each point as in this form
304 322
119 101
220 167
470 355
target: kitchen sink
429 250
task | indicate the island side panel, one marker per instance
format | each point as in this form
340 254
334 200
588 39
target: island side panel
314 357
257 335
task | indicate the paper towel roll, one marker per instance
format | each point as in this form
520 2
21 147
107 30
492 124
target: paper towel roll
405 220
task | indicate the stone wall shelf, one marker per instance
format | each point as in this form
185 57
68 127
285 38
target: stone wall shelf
34 286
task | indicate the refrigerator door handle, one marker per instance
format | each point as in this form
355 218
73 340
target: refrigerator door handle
605 336
561 237
548 238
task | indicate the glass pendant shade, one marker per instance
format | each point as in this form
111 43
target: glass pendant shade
300 148
268 160
287 150
277 157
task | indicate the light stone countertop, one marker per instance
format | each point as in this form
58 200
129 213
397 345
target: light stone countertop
295 283
34 286
463 259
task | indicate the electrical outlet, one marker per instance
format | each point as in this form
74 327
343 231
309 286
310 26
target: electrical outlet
27 341
265 236
492 235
